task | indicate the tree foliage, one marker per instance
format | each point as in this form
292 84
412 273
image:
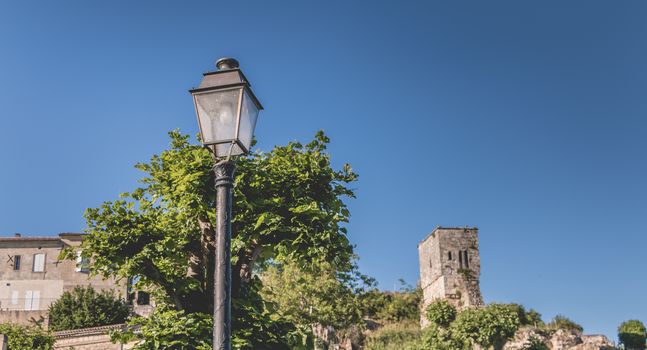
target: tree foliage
396 336
441 313
313 296
402 305
527 317
439 338
26 337
565 323
84 307
169 329
173 329
491 325
288 207
632 334
535 343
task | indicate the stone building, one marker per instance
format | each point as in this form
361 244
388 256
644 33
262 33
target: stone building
450 267
32 276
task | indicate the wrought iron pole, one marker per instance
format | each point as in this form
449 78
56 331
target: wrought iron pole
222 275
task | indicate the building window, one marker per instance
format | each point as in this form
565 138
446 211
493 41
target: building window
466 259
16 262
82 263
39 262
460 259
143 298
14 297
449 256
32 300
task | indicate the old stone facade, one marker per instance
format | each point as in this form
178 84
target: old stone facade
32 276
450 267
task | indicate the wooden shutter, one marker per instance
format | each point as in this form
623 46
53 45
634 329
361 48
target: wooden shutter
39 262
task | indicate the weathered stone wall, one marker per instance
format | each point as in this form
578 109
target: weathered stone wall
24 317
96 338
450 267
91 342
559 340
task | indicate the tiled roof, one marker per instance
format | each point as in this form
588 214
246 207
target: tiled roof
87 331
15 239
40 238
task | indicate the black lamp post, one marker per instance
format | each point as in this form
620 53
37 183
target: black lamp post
227 111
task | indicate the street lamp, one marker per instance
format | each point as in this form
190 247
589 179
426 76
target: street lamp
227 110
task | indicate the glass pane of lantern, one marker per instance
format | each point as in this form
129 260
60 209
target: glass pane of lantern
248 116
222 149
217 114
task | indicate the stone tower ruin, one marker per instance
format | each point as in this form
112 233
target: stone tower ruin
450 267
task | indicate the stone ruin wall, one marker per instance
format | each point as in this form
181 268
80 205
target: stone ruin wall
450 268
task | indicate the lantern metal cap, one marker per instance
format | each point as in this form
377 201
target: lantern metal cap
227 63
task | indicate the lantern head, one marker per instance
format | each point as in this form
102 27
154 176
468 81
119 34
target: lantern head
227 110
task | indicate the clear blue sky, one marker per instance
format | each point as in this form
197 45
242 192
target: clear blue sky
527 119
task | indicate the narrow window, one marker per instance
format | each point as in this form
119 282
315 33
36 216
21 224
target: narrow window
466 259
449 256
14 297
39 262
35 300
28 295
82 263
460 259
16 262
143 298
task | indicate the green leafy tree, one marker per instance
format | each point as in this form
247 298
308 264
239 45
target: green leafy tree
401 306
632 334
527 317
169 329
84 307
441 313
372 302
26 337
288 207
316 296
490 326
439 338
532 318
565 323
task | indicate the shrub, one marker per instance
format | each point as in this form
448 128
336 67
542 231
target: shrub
438 338
397 336
441 313
490 326
84 307
372 302
632 334
401 306
532 318
26 338
527 317
535 343
565 323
